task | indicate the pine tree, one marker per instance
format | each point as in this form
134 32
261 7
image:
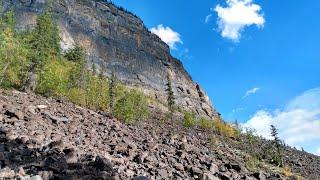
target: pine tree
101 80
274 134
93 69
236 124
44 42
102 71
76 54
78 75
170 97
277 155
112 90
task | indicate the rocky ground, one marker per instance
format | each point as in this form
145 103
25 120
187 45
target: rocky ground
44 138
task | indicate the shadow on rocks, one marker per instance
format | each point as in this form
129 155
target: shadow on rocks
17 161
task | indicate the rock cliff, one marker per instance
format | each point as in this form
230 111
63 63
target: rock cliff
119 41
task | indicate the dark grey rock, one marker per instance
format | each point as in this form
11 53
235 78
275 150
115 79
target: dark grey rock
259 175
55 119
140 178
103 164
12 111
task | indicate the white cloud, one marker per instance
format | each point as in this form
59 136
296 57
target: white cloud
298 123
236 16
208 17
251 91
318 152
167 35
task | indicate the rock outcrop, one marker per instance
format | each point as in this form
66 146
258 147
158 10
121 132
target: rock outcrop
118 40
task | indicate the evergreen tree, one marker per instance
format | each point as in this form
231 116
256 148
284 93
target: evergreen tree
76 54
170 96
103 70
274 134
93 69
112 90
277 154
78 75
44 42
236 124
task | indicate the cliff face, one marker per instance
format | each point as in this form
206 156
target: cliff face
119 41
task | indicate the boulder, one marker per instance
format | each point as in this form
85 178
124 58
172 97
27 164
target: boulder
103 164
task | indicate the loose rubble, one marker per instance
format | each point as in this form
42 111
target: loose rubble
47 139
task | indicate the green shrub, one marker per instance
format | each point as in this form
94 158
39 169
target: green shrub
189 119
13 60
252 163
77 96
7 20
287 172
206 124
54 78
97 92
78 76
131 107
225 129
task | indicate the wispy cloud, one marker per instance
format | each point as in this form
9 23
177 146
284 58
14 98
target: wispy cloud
208 17
298 122
250 92
240 109
167 35
237 15
185 54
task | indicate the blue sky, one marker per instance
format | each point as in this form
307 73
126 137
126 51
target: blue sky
254 58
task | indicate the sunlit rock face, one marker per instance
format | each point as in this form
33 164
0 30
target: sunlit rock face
118 40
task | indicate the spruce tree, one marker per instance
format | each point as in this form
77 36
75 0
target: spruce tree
103 70
112 90
93 69
277 154
77 78
44 42
274 134
170 97
75 54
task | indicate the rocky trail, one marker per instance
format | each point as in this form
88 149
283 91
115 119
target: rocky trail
44 138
